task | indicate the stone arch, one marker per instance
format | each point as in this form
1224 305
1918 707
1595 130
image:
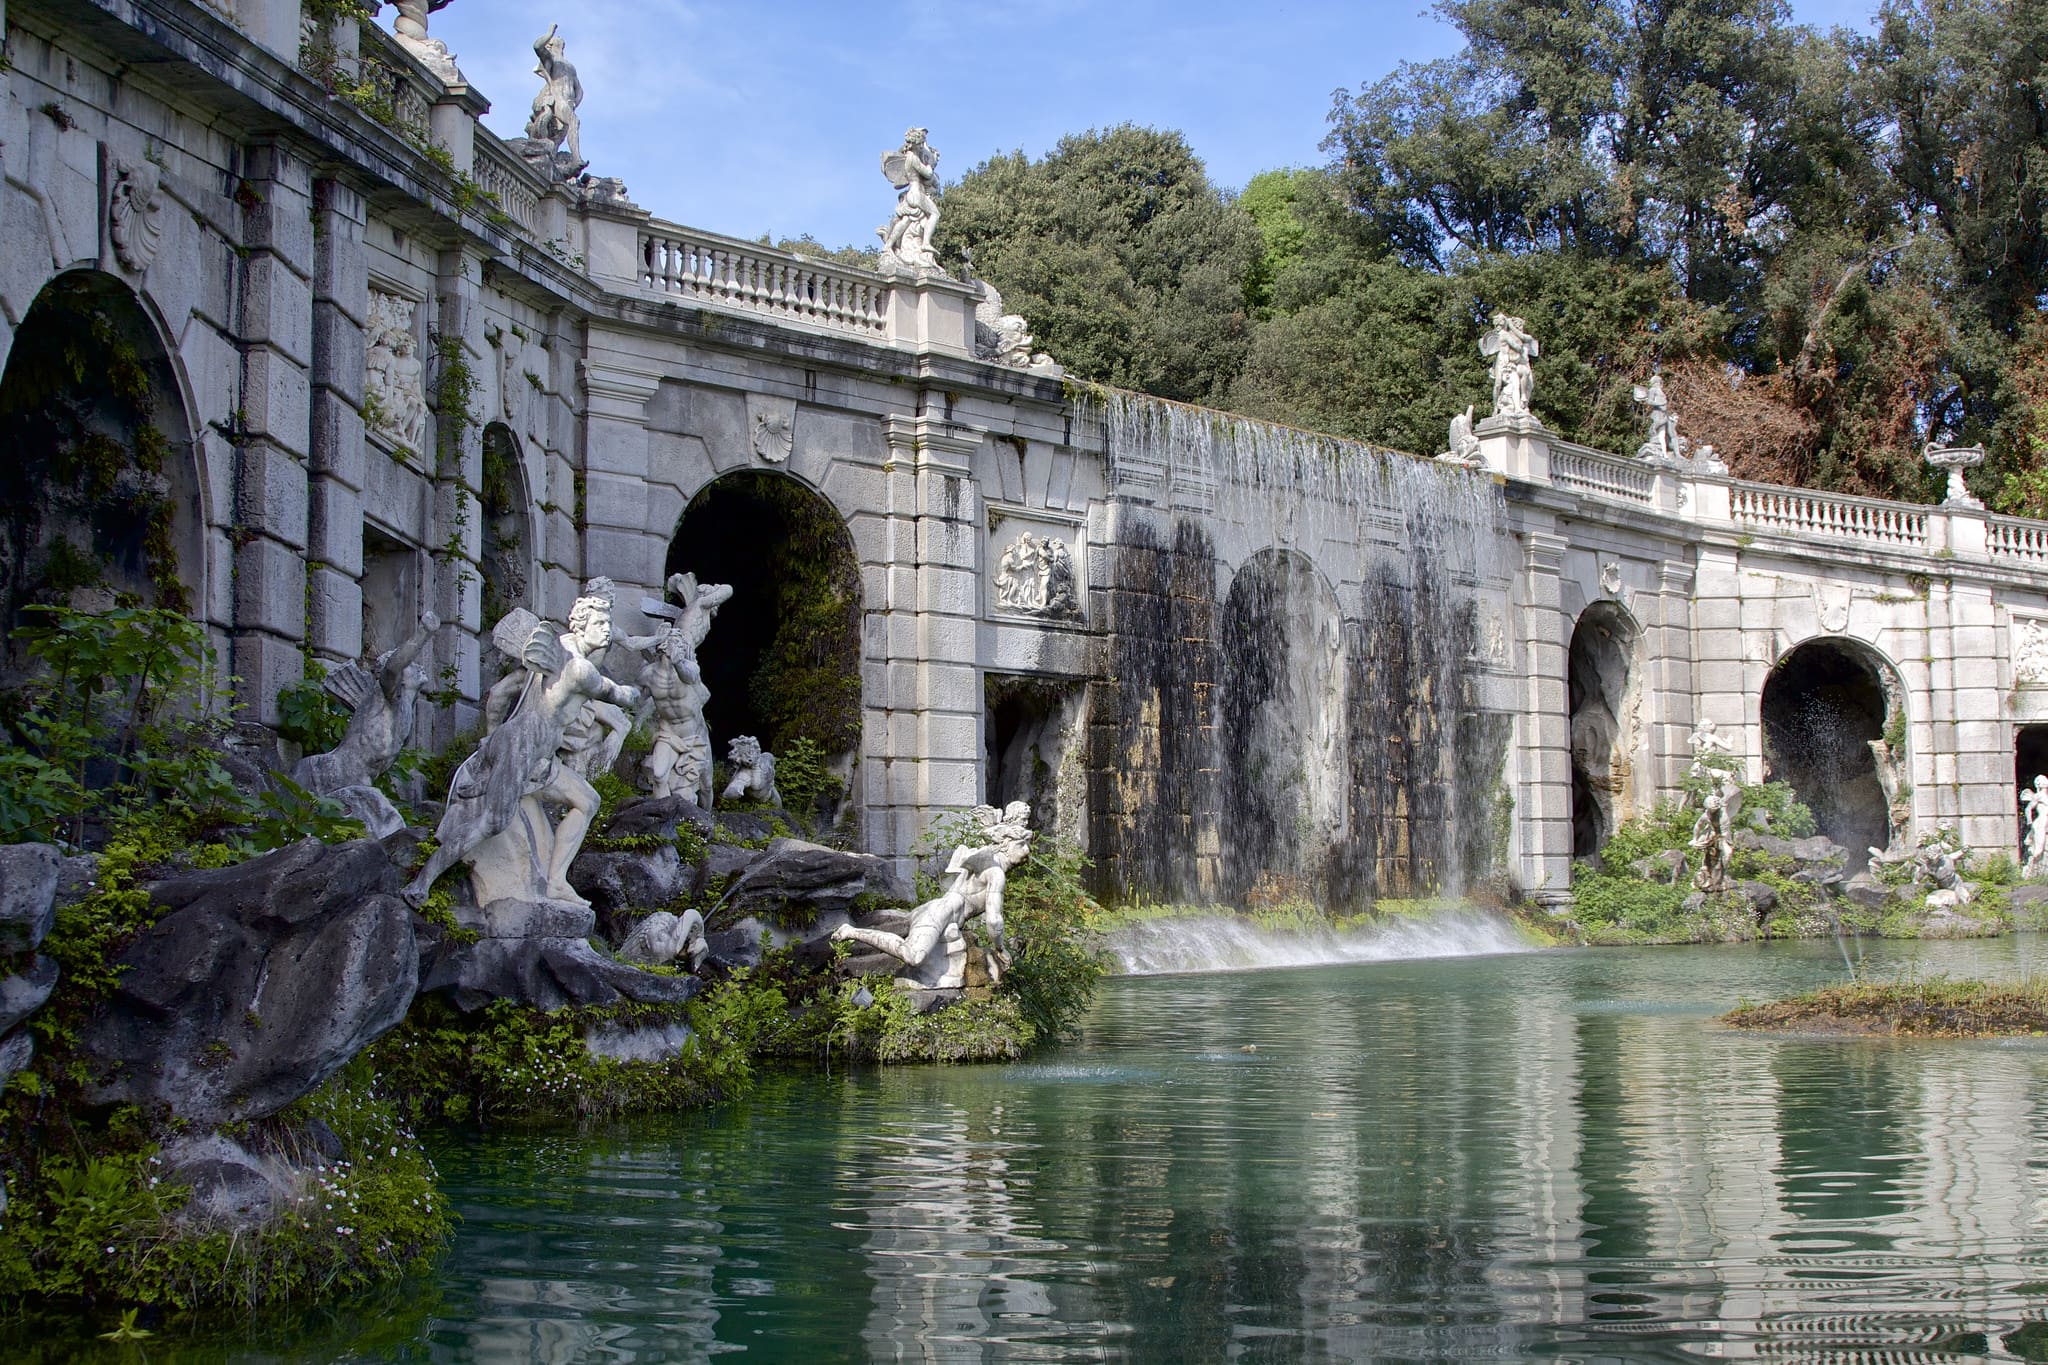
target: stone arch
783 658
1604 696
102 494
505 502
1833 718
1281 721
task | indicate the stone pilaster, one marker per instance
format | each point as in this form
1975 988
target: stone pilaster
338 450
1669 681
1720 681
276 334
614 499
922 733
1543 789
457 545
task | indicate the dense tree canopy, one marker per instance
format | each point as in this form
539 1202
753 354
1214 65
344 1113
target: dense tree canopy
1834 244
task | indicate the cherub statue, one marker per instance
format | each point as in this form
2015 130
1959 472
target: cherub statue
411 29
1711 752
979 872
679 764
379 726
2035 802
753 772
1664 442
503 788
913 169
1713 839
554 108
1936 862
1512 349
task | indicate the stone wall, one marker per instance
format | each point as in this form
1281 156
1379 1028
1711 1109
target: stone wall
350 322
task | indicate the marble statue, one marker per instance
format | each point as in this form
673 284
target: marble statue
934 951
913 169
1004 338
1713 838
1936 863
1036 576
1955 459
595 736
2029 650
135 213
2034 800
554 119
1464 446
411 30
1712 754
1705 461
679 764
380 722
393 377
753 772
1512 350
496 818
1664 443
663 937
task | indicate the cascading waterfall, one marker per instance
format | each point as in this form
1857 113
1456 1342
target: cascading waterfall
1211 943
1296 642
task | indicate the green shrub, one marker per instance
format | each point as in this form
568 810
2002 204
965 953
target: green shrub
1773 808
806 784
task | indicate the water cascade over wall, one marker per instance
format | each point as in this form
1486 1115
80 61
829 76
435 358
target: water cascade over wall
1295 639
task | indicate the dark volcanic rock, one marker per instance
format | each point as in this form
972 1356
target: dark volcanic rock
258 983
795 873
23 995
658 815
1660 867
744 827
28 894
616 882
16 1051
727 861
546 974
1762 898
1866 891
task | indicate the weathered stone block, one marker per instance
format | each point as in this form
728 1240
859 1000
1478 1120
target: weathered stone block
28 894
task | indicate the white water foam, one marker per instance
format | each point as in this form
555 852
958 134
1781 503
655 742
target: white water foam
1223 943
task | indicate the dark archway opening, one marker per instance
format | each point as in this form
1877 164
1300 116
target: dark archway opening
1028 726
782 661
507 554
2029 760
1598 675
97 491
1823 704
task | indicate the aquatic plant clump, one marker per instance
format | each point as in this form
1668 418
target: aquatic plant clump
1914 1006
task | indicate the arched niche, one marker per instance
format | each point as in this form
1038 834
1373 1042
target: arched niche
782 661
1281 721
1833 716
505 557
1602 692
99 489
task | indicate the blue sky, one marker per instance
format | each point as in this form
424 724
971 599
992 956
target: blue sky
746 118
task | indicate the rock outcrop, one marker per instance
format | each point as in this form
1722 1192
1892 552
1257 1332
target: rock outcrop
258 983
799 880
28 908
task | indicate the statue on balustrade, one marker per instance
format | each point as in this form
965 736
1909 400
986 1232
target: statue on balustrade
497 819
411 30
1464 446
1664 445
913 169
555 119
934 949
1512 350
381 706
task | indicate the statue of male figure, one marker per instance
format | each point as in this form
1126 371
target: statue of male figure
516 769
934 952
554 109
680 762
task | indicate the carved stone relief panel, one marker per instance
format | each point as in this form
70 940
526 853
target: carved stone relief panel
2029 651
394 379
135 213
1035 571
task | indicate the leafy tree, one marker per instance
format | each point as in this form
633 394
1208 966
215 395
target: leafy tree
1130 266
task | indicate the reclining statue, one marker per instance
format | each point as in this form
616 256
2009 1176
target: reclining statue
496 819
380 725
934 951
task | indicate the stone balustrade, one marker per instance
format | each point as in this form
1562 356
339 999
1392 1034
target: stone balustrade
515 186
1801 512
725 272
2018 538
1601 474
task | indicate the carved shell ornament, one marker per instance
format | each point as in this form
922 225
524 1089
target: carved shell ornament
136 214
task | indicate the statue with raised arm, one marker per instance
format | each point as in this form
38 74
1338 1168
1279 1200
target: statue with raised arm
679 764
934 951
1712 754
1464 446
554 118
1512 349
380 725
2034 801
913 169
497 819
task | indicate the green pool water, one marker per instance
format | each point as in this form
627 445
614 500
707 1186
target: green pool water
1550 1155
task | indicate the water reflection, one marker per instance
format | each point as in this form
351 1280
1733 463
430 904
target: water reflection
1548 1155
